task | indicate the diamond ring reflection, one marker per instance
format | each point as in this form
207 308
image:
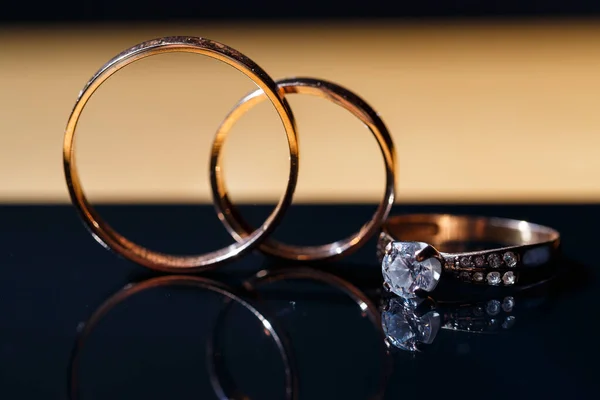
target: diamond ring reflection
412 324
404 328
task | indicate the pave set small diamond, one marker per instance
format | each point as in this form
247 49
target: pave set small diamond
490 269
408 330
482 317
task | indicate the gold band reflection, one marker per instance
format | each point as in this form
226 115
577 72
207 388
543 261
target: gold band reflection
249 297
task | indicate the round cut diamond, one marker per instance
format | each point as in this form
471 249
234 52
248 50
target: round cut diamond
508 278
404 275
493 307
479 261
494 260
478 277
493 278
404 329
508 303
510 259
465 262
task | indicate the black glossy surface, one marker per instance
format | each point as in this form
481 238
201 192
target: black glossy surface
153 345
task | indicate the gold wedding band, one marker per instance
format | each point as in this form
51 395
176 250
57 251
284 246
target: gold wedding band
108 237
240 229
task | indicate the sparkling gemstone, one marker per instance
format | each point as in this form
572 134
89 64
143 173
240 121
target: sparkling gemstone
479 261
465 276
510 259
493 278
508 303
494 260
465 262
404 329
478 277
508 278
508 322
493 307
404 275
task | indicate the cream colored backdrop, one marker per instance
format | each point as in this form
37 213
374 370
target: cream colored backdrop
478 113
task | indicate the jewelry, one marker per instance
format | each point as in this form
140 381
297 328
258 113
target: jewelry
410 265
413 324
233 220
221 380
365 304
84 330
109 238
269 276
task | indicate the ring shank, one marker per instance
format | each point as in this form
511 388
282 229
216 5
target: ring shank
442 230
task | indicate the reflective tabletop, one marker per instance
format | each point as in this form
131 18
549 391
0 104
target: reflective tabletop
78 322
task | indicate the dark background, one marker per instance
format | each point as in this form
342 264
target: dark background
157 10
54 276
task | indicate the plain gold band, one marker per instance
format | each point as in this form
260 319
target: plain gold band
240 229
108 237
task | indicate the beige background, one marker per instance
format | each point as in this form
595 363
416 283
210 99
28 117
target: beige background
478 113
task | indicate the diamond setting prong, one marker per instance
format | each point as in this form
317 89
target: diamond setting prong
387 287
427 252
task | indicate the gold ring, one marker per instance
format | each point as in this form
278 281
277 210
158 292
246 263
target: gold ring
240 229
108 237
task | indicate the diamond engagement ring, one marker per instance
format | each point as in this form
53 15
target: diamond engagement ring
479 250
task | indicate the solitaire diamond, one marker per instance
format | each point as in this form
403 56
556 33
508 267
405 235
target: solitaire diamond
404 329
404 275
